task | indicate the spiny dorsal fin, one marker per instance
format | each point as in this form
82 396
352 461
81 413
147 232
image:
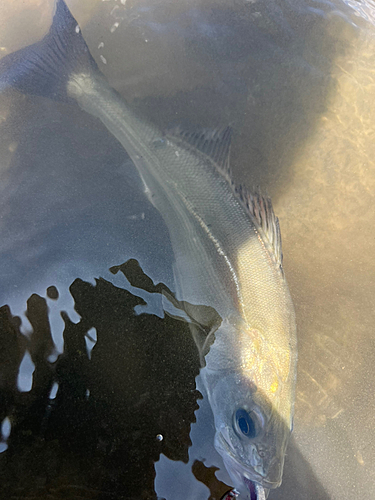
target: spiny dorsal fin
213 143
261 211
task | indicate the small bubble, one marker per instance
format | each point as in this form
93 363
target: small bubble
101 45
77 29
360 458
159 437
177 153
104 60
115 26
123 2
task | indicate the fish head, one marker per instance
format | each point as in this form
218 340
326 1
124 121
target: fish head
250 435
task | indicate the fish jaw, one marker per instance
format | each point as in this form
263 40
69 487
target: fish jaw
245 488
250 482
248 488
256 491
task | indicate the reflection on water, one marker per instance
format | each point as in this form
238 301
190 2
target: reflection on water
87 425
296 79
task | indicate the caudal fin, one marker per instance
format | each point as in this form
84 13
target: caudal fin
45 67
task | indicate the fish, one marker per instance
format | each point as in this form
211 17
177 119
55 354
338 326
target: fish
227 254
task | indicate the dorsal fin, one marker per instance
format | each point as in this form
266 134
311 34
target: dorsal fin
260 209
214 143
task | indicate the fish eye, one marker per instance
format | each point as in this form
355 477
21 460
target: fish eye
245 423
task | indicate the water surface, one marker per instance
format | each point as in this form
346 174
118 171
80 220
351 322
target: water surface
295 79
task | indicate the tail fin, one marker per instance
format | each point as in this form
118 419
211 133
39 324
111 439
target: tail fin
44 68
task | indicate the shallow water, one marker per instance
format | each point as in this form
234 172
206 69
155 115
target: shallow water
296 81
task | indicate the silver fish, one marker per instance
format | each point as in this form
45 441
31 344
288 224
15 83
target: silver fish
227 250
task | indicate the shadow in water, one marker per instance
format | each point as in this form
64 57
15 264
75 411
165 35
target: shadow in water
118 406
100 431
299 480
265 67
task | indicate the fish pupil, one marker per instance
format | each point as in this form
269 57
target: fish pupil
245 423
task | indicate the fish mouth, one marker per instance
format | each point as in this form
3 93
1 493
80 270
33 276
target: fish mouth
256 485
257 492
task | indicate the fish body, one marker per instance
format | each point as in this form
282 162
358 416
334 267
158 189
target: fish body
227 250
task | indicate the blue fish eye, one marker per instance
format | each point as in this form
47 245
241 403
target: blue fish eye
245 423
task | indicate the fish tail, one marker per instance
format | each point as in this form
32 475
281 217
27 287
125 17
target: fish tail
44 68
